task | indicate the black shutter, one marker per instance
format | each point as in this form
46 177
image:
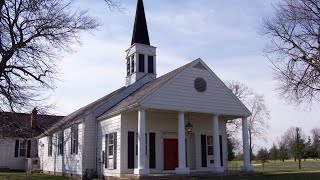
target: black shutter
16 148
115 150
150 64
221 155
77 139
106 152
29 149
130 150
72 142
204 150
62 142
152 149
141 63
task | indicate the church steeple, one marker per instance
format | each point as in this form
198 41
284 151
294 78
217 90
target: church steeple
140 31
141 56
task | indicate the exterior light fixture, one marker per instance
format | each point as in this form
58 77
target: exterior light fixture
189 126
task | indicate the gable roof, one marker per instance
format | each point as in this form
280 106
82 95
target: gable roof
136 98
144 91
19 124
76 116
126 97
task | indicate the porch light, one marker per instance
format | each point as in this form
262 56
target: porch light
189 127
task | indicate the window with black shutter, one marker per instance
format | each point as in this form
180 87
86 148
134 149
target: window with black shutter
111 151
141 63
22 148
150 64
74 139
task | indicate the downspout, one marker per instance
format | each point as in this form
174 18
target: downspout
83 127
96 147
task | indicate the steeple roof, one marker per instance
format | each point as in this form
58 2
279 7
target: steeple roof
140 31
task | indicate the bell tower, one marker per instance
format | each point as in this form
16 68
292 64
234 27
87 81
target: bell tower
141 56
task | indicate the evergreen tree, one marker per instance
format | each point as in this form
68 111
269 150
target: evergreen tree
231 147
274 153
263 156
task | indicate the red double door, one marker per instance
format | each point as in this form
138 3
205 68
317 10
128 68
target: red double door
170 154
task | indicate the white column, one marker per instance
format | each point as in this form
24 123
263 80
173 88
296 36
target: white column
216 145
182 169
246 152
141 170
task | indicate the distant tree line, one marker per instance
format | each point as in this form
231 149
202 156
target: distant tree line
291 146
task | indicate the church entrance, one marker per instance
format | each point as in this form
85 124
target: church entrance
171 154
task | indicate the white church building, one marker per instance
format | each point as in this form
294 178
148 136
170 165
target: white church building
175 123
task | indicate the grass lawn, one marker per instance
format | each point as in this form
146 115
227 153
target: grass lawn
23 176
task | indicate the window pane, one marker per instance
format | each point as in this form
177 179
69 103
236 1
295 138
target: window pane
150 64
210 140
23 147
110 139
141 63
110 150
210 150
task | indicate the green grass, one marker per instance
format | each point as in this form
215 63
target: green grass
23 176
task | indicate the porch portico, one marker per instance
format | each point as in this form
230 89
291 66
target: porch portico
202 149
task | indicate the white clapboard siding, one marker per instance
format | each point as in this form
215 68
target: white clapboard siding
68 163
106 126
179 94
7 152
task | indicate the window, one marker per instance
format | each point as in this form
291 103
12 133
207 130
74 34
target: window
146 141
60 143
210 145
111 151
150 64
128 66
49 145
74 139
22 148
132 64
111 145
141 63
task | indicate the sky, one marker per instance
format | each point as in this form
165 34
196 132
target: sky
224 34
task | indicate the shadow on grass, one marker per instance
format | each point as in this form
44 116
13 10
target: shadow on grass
24 176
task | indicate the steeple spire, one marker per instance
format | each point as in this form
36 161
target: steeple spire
140 32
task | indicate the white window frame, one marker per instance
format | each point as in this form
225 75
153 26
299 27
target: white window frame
74 133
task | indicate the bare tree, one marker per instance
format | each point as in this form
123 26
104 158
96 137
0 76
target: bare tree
294 49
258 122
33 34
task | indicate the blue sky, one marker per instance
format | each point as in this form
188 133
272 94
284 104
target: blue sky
224 34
